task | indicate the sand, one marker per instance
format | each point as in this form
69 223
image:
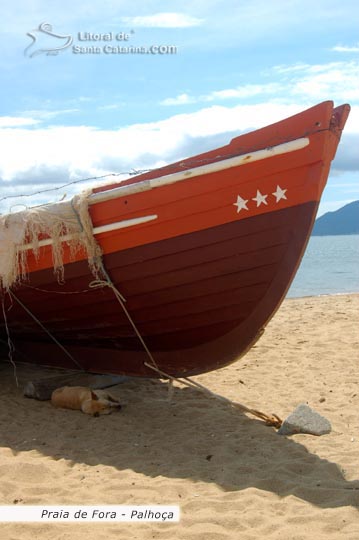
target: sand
232 476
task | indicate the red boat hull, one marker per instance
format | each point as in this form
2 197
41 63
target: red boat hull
203 277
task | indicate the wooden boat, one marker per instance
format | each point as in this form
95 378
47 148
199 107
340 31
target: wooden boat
203 250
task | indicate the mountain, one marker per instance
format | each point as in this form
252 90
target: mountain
342 221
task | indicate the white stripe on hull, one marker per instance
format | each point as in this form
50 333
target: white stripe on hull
97 230
222 165
168 179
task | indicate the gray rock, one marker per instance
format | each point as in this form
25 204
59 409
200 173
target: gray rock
305 420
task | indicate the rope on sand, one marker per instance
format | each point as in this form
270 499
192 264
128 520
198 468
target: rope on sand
270 420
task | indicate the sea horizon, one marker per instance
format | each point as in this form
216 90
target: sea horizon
330 266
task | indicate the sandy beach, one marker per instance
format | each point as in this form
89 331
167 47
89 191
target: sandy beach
233 477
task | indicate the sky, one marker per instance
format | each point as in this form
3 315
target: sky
76 104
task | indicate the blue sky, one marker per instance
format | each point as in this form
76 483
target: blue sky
213 69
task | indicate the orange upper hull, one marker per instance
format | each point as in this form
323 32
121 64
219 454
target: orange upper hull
209 199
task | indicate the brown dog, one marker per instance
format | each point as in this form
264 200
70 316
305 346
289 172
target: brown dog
89 401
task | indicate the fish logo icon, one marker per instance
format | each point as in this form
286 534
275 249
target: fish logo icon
44 39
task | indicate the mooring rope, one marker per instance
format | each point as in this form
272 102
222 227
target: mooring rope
10 344
46 330
270 420
107 282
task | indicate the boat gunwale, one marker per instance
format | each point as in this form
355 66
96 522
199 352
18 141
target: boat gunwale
202 170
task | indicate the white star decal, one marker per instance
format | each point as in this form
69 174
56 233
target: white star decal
279 194
241 204
260 199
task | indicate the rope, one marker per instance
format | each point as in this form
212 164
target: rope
133 172
46 330
53 291
10 344
270 420
107 282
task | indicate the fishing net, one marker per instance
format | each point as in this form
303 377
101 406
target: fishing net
65 223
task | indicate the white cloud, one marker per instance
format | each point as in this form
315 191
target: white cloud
239 92
43 114
336 80
245 91
164 20
346 48
55 155
289 69
181 99
45 157
17 121
300 83
112 107
85 99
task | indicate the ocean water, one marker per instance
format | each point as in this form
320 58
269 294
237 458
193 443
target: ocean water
330 266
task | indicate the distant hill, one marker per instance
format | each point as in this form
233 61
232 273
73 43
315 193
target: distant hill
342 221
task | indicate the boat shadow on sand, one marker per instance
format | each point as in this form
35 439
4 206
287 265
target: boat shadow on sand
191 437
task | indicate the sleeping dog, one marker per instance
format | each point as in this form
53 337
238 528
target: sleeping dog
89 401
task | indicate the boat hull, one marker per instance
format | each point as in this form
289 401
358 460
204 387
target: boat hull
203 313
201 278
